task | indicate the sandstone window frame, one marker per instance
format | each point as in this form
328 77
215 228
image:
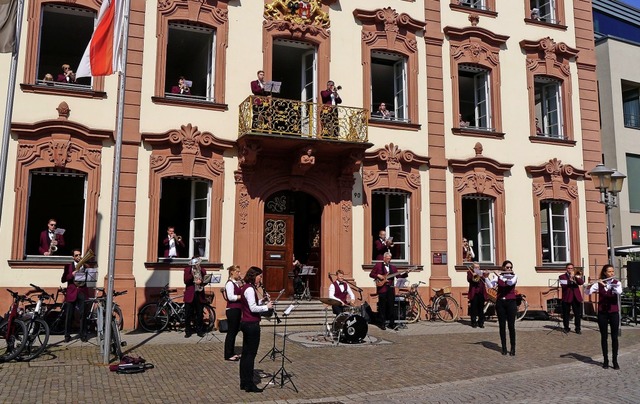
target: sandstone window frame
212 14
558 20
479 47
384 30
32 53
547 58
554 181
488 8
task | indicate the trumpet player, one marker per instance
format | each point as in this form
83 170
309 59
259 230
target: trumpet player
329 115
50 240
172 243
477 290
609 290
571 297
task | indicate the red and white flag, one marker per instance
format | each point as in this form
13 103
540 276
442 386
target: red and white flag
103 55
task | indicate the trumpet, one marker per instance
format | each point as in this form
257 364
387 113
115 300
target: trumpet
178 238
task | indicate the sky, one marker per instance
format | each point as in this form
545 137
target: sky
635 3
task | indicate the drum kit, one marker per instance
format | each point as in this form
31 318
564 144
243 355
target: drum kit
349 327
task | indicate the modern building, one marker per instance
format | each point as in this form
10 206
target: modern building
494 124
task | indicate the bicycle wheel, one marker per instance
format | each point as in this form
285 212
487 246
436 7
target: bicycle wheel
208 318
11 345
55 318
522 309
447 308
117 313
153 318
413 311
116 343
38 331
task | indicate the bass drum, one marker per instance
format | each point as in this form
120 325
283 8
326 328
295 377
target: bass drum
350 328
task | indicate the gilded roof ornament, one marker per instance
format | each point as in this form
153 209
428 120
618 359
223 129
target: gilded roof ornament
297 12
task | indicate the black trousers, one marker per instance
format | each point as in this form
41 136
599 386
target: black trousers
233 321
338 309
576 306
612 320
476 309
385 306
250 344
195 307
70 308
506 311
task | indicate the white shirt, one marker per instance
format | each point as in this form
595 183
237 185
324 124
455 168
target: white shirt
509 280
332 291
230 289
172 248
250 297
617 288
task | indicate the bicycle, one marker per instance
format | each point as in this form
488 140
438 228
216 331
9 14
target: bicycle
99 306
37 328
443 305
55 314
92 317
521 302
156 317
13 331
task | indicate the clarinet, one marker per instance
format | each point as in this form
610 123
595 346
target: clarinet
266 299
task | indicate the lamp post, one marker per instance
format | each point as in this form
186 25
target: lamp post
609 182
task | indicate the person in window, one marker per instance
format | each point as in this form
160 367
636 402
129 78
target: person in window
382 245
477 290
385 289
538 128
329 115
67 75
571 284
172 244
182 87
194 297
467 251
609 290
75 297
506 307
257 86
462 122
340 290
48 79
51 241
383 112
535 14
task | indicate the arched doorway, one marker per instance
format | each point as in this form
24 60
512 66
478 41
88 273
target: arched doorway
291 228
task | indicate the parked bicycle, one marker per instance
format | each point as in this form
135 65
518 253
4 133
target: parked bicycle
13 331
99 308
156 317
443 305
37 328
92 317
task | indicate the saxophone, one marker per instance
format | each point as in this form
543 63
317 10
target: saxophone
197 276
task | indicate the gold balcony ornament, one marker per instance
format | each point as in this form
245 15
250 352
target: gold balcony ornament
298 12
279 116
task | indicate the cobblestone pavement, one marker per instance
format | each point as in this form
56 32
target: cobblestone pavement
427 362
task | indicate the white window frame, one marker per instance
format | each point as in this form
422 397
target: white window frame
547 10
193 219
549 109
477 4
485 236
211 60
481 95
395 228
399 79
546 210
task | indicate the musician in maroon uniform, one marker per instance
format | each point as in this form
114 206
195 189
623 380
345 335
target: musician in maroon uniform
571 297
340 290
250 326
194 297
74 298
49 235
329 114
506 307
172 243
233 295
381 245
609 289
386 291
477 290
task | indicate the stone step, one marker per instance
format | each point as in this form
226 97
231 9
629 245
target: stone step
305 314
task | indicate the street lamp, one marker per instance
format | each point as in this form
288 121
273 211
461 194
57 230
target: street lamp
609 182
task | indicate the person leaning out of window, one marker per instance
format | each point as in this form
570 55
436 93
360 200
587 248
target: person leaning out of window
182 87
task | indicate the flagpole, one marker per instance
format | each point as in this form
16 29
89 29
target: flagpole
116 187
8 113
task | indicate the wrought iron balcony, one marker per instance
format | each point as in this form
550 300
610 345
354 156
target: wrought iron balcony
282 117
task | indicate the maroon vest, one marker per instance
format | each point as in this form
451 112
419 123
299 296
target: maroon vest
506 292
339 294
237 304
247 315
608 301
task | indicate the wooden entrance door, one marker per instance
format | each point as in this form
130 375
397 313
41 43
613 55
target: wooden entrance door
278 253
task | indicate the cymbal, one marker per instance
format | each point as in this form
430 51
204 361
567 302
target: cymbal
330 302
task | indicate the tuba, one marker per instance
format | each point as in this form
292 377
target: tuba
80 268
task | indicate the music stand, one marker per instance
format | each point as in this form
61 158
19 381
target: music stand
215 278
282 371
307 270
554 316
274 351
272 87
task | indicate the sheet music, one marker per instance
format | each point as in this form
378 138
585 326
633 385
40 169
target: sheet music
289 309
272 86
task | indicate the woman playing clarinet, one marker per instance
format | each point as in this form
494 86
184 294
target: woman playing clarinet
250 326
608 289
